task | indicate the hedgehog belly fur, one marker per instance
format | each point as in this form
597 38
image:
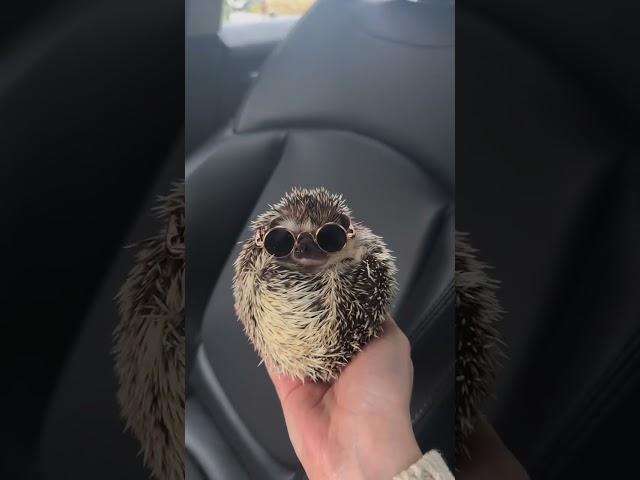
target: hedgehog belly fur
297 326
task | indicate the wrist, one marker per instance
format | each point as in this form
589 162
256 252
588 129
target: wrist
390 447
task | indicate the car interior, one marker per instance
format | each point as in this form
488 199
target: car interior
357 95
305 123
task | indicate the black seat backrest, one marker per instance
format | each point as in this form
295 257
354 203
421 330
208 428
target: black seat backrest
358 99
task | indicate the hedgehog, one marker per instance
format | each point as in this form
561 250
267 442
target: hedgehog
149 343
312 286
479 344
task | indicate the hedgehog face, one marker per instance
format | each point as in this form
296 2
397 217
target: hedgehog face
301 219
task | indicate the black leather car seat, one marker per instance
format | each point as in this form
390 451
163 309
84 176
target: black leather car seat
324 112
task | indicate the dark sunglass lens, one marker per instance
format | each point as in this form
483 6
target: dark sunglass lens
331 238
279 242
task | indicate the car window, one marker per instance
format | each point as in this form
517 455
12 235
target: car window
257 11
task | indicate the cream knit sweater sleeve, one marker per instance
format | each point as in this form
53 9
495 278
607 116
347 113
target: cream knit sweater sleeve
430 467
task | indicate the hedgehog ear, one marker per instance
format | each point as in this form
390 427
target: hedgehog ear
259 237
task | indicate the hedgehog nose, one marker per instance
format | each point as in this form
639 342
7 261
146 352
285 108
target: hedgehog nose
304 245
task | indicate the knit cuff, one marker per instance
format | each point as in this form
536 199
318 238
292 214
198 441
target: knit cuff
430 467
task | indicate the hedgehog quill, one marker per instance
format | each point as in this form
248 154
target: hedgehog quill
313 286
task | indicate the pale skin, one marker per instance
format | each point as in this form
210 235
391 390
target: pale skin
359 427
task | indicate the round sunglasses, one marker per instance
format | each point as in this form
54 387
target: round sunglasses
279 241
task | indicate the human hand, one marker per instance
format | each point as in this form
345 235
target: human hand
358 427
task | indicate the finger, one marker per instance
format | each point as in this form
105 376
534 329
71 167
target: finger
296 395
392 338
391 328
390 352
283 384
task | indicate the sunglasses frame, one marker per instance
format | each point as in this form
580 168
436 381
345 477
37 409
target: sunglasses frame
260 236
